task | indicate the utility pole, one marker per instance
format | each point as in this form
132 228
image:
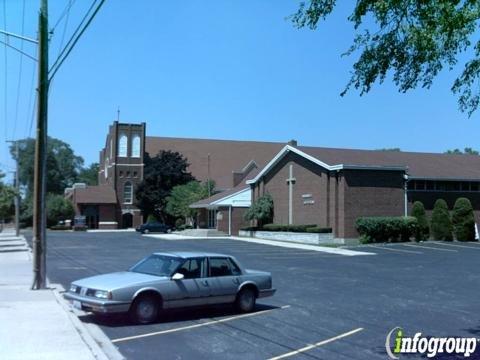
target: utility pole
40 183
17 189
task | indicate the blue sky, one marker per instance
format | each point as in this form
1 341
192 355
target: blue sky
217 69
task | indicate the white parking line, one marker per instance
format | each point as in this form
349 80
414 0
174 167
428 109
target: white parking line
455 245
428 247
398 250
313 346
213 322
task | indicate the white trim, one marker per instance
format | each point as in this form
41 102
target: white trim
230 196
289 148
213 205
120 164
107 223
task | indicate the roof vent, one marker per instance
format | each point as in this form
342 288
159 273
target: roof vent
292 142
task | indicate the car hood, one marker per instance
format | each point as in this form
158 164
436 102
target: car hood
117 280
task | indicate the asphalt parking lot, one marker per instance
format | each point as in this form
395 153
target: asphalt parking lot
326 307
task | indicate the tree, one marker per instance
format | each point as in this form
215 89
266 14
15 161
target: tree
182 196
466 151
441 224
7 195
63 166
463 220
161 174
261 210
89 175
423 230
413 40
58 208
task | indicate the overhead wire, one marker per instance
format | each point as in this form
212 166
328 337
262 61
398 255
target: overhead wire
19 75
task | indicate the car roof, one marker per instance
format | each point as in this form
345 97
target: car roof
190 254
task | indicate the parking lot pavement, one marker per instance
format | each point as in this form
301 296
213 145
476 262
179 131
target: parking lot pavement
327 306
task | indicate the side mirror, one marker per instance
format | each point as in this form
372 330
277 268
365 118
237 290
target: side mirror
178 276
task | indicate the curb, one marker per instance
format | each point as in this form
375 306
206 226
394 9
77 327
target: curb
99 344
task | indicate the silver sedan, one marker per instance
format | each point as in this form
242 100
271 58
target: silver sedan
171 280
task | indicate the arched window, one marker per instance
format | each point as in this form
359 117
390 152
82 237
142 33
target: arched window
128 193
136 146
123 146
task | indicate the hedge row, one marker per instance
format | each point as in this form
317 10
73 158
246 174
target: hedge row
385 229
290 228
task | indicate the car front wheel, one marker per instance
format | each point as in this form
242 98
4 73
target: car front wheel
145 309
245 300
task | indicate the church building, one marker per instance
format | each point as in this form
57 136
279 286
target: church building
309 185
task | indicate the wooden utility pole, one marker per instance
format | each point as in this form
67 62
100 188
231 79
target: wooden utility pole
40 176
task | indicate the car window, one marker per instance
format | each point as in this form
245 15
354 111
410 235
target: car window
191 269
222 267
158 265
235 269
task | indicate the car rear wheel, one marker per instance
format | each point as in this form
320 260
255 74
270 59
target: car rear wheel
145 309
245 301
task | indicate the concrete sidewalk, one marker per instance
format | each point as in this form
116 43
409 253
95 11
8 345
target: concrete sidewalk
38 324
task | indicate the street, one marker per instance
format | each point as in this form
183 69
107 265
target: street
343 306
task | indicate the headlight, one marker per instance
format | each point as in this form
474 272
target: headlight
102 294
73 288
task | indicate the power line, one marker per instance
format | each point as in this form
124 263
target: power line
65 26
73 40
17 49
28 129
19 74
5 88
66 12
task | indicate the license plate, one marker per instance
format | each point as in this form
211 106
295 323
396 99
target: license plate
77 304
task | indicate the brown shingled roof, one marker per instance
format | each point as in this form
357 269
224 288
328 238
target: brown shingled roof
420 165
101 194
226 156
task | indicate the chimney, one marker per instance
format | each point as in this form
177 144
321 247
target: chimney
293 143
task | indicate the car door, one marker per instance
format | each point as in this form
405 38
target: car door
194 288
224 279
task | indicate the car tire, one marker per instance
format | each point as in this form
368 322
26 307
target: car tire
245 301
145 309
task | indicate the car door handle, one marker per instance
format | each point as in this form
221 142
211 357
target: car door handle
205 282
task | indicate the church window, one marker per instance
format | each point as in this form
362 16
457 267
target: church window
136 146
123 146
128 193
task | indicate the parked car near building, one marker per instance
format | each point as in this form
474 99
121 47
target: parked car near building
171 280
154 227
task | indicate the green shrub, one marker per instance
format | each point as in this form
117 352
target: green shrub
250 228
385 229
441 224
261 210
184 227
423 230
290 228
179 222
151 219
463 220
58 209
319 230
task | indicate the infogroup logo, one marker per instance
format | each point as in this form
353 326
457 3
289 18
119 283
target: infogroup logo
431 346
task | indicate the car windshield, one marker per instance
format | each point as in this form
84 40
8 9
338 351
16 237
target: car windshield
158 265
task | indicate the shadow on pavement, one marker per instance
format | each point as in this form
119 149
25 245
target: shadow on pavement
172 316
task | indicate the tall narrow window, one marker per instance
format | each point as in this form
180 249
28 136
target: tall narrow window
128 193
136 146
123 146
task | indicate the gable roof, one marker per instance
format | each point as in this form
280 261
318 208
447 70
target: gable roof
220 197
416 165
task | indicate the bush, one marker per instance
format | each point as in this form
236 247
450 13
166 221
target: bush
151 219
184 227
179 222
463 220
385 229
261 210
58 209
319 230
441 224
423 230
